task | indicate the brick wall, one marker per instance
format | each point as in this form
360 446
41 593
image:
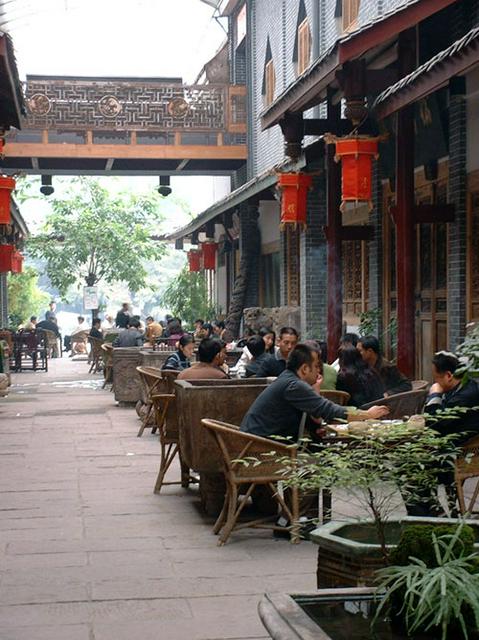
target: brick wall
313 264
376 248
3 301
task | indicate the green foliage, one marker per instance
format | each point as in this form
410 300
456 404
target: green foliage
417 541
186 297
434 598
25 298
469 351
369 322
92 236
371 467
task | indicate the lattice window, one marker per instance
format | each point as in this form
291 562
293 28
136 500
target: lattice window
350 11
304 46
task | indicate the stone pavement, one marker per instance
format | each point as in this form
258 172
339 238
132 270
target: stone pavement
88 552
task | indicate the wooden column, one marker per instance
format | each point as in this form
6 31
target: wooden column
405 231
335 285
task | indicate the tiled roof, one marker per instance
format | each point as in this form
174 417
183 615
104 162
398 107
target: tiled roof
455 49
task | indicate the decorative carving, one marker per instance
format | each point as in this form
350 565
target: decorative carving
39 104
122 105
109 106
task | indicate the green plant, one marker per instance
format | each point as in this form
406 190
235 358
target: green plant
373 466
187 297
25 298
370 320
468 351
435 597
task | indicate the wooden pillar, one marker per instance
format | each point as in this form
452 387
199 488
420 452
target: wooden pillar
405 232
335 286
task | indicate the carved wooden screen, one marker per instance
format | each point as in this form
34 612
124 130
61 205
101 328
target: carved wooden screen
293 266
355 279
473 256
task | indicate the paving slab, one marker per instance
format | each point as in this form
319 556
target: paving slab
88 552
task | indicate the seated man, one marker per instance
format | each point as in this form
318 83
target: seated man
275 364
211 354
256 347
153 330
95 331
130 337
78 337
278 410
50 325
31 325
447 392
393 380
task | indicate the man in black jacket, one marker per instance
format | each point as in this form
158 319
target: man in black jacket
393 380
123 316
273 365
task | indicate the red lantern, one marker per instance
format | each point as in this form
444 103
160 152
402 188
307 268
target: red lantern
208 250
17 262
294 187
194 260
356 155
6 187
7 252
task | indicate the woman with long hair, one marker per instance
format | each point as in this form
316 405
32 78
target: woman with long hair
269 337
357 378
180 359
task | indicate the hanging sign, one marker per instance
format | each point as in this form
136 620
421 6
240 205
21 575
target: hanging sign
90 298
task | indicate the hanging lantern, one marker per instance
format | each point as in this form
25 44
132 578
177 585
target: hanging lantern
356 155
194 262
208 252
7 252
294 188
7 185
17 262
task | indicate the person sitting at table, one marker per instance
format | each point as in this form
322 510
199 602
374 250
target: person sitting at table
447 392
257 349
246 358
211 356
95 331
131 336
153 330
357 378
275 364
278 410
180 359
393 380
329 373
31 325
199 333
107 323
347 340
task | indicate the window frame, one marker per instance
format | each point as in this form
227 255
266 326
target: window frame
304 46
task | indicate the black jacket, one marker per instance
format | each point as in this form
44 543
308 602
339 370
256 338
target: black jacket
49 325
393 380
466 395
122 319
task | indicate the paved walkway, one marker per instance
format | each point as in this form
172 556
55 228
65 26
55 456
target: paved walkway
88 552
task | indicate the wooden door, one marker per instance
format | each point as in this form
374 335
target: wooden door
431 282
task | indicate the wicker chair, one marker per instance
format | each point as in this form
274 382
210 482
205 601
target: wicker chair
107 353
96 354
338 397
166 421
51 343
466 467
401 404
152 382
169 376
234 445
418 385
79 342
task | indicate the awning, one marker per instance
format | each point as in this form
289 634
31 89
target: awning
250 189
12 105
309 88
456 60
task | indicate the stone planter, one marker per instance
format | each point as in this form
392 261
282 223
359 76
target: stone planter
127 385
314 615
348 555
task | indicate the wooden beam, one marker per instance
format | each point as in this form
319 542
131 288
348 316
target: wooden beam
430 213
125 151
320 126
182 165
405 232
334 271
357 232
109 164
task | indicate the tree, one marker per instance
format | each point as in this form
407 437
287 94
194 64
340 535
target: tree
187 297
25 298
92 236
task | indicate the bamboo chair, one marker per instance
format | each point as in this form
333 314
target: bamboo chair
152 381
169 377
418 385
78 342
107 353
96 354
166 421
401 404
338 397
51 343
466 467
234 445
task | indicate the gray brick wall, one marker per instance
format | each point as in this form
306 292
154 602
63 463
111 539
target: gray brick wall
313 265
376 248
250 235
3 301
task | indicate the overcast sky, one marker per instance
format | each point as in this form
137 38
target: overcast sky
113 37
